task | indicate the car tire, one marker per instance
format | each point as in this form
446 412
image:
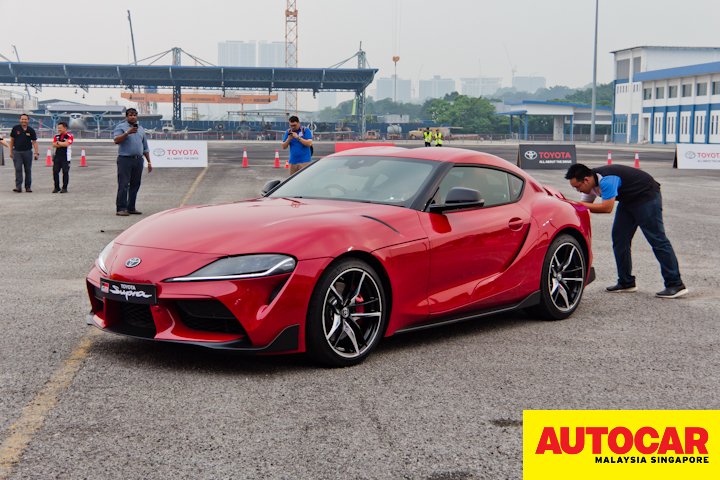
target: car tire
564 271
347 314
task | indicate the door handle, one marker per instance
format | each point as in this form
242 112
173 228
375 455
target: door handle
515 223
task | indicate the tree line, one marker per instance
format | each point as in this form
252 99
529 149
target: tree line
471 114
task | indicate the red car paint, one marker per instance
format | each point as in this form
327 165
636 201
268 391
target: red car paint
435 265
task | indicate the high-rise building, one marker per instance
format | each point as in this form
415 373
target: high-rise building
236 53
386 89
480 86
436 87
271 54
528 84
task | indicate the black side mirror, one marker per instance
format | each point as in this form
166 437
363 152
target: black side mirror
269 187
459 198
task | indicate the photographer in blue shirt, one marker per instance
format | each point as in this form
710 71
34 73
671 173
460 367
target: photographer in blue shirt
299 139
132 147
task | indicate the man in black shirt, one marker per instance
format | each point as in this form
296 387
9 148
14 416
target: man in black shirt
61 142
23 141
640 205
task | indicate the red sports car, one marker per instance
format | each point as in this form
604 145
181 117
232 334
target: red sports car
360 245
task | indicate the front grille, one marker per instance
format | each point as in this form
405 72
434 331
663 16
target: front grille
131 319
208 316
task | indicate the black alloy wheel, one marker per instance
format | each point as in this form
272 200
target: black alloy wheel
347 314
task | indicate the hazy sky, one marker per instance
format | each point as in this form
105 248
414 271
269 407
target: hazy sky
450 38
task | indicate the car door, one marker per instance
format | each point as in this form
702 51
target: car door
468 248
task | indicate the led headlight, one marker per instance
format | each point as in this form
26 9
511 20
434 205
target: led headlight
102 258
243 266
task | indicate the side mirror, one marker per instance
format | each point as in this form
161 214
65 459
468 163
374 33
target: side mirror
270 186
459 198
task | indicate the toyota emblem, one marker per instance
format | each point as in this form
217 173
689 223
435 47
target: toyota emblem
531 155
132 262
159 152
690 155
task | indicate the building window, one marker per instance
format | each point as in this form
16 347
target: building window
716 88
714 124
672 91
671 126
660 92
687 90
699 124
701 89
647 93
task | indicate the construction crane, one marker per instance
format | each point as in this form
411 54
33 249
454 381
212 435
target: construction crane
291 59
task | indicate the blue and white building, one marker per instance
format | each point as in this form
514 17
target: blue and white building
667 95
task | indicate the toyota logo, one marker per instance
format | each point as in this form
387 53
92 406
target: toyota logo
690 155
530 155
132 262
159 152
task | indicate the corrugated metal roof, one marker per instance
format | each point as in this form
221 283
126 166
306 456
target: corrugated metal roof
687 71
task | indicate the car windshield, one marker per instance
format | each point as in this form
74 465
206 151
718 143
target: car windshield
388 180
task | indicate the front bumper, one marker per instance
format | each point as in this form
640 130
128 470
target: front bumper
260 315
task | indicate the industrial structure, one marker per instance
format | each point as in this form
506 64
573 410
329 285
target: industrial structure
667 95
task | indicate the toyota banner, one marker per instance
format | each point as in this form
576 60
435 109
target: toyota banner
546 156
178 153
697 157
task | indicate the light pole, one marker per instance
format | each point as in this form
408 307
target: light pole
395 60
594 80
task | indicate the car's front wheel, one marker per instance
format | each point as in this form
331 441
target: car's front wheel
347 314
563 279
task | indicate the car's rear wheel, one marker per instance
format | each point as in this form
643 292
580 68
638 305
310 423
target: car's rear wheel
563 279
347 314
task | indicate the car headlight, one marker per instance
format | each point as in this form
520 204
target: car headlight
102 258
243 266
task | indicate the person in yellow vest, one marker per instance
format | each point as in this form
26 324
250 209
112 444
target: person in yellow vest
438 138
427 136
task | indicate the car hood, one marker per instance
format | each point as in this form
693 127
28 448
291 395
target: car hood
304 228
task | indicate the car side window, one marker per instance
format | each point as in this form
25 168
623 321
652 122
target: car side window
496 187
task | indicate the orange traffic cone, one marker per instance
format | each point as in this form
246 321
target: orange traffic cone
277 159
287 164
609 158
48 159
83 160
245 159
637 160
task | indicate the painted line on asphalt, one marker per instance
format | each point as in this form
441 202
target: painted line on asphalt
34 413
21 433
194 186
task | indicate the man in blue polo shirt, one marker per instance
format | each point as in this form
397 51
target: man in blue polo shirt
132 146
639 205
299 139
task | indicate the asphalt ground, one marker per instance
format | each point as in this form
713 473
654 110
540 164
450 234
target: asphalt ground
438 404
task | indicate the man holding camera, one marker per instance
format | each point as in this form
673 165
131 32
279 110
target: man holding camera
132 147
299 139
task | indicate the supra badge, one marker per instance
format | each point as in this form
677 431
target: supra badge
132 262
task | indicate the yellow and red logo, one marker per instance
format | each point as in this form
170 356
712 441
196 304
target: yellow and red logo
621 444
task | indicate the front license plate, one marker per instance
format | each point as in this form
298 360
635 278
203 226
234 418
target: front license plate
128 292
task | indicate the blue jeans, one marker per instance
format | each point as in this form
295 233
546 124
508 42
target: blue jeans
129 170
647 216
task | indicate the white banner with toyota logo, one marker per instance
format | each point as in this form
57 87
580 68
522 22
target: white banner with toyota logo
697 156
178 153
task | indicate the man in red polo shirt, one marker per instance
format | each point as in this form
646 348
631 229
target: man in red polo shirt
61 142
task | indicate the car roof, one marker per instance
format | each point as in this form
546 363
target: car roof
437 154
